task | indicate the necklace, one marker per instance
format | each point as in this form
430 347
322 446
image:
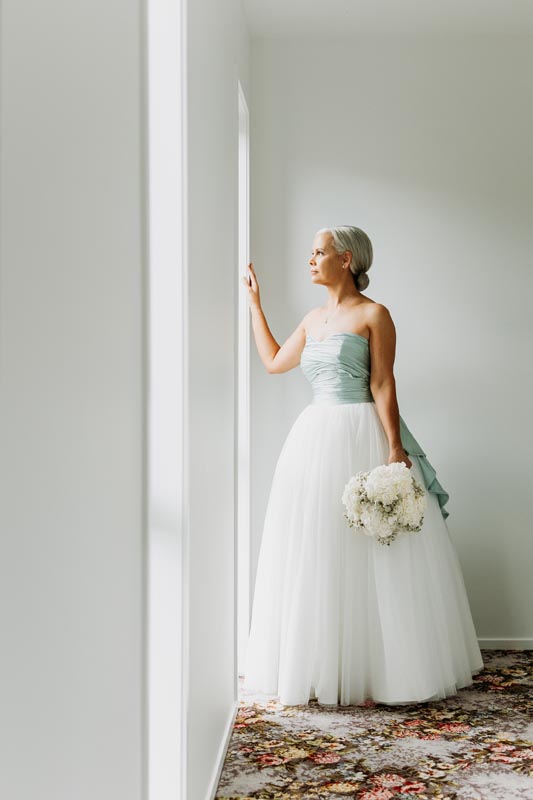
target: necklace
328 317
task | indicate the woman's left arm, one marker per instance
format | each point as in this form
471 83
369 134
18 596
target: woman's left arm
382 380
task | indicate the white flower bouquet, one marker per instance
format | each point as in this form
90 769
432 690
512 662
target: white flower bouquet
385 502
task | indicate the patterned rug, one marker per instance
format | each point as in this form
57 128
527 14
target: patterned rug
476 745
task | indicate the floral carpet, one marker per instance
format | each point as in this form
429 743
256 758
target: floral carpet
476 745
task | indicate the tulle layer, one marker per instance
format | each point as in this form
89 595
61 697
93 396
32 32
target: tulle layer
336 615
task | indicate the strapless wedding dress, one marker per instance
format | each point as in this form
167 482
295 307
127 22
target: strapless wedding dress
336 615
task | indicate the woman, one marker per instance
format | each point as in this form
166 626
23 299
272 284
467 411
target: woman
337 616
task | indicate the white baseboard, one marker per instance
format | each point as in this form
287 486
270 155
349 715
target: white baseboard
223 749
505 644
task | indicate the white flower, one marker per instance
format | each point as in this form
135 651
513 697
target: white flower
385 502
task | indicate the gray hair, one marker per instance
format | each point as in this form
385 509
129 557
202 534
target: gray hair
348 237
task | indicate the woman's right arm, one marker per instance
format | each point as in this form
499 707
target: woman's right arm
276 358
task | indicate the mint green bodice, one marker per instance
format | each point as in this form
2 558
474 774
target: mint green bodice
338 369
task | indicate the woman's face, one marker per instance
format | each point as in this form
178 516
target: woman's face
325 263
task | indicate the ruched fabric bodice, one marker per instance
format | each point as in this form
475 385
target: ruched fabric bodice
338 369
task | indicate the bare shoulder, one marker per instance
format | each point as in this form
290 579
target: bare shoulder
378 314
311 315
378 318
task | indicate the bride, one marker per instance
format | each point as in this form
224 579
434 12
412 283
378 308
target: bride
338 617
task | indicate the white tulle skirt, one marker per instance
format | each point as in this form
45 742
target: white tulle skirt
336 615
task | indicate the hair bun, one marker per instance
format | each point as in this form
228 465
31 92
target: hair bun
362 280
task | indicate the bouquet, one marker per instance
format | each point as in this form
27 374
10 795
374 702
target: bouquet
385 502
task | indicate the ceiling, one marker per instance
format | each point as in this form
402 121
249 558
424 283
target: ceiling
338 18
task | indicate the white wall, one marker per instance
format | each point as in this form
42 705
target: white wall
72 350
218 55
71 507
426 145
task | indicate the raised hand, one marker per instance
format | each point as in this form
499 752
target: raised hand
250 281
